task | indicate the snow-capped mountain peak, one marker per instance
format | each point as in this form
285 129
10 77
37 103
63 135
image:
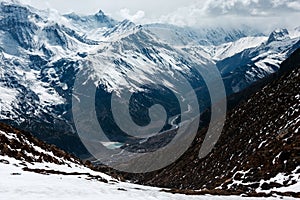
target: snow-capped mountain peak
121 28
279 35
205 36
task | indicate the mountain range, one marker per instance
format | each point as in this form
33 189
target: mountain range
42 53
257 156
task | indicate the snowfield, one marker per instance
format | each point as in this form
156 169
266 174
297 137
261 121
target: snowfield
17 184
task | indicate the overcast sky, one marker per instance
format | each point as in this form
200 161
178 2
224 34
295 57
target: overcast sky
261 13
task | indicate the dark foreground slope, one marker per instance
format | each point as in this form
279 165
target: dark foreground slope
260 141
22 145
24 151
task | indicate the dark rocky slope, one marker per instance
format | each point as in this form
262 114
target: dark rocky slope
34 155
260 140
22 147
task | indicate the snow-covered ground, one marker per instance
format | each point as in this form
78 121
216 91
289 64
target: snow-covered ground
17 184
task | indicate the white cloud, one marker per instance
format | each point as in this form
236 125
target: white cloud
294 5
277 3
264 14
249 7
125 13
259 13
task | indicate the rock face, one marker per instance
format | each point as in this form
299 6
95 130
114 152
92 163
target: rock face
259 150
23 146
279 35
25 152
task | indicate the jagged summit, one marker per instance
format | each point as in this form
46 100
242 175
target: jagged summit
100 13
279 35
102 18
91 22
206 35
121 28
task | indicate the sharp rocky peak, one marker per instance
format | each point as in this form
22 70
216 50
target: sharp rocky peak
279 35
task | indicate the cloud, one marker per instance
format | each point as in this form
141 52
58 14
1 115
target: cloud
125 13
294 5
249 7
263 14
